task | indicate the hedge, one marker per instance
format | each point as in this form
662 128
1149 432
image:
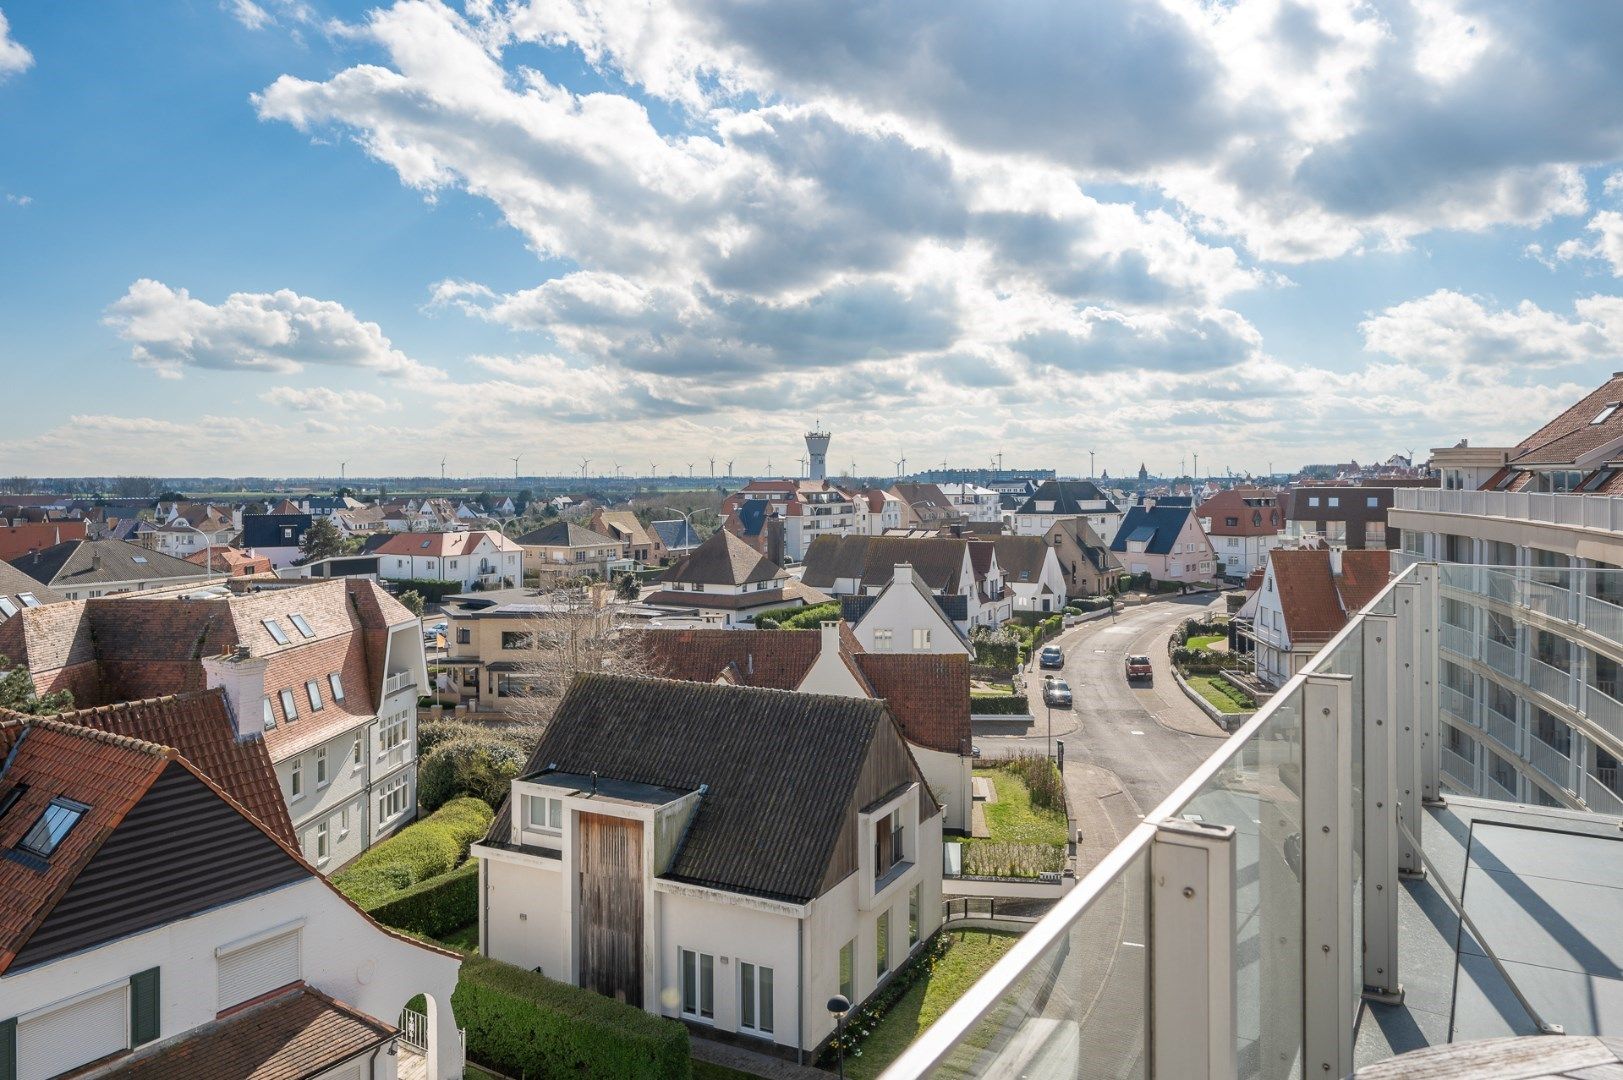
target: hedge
524 1024
1004 656
797 618
432 590
999 705
433 908
479 766
426 849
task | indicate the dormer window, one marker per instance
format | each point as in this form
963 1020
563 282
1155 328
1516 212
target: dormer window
336 681
1606 413
52 827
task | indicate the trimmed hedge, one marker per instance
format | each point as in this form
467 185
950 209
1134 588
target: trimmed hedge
481 767
432 590
524 1024
1004 656
999 705
797 618
433 908
426 849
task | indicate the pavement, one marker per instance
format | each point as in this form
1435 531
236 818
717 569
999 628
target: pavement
753 1062
1126 747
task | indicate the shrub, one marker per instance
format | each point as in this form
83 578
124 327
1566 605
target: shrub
434 907
432 590
525 1024
1094 603
797 618
1042 777
862 1023
432 846
480 766
1002 859
999 704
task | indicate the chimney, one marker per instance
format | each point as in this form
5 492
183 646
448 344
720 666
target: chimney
830 645
242 677
903 574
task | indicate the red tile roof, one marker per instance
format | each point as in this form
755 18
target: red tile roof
776 659
18 540
1307 593
1363 575
441 544
232 561
1260 518
928 693
1574 433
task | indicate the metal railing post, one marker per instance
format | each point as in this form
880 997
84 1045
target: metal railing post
1415 678
1327 837
1191 942
1380 808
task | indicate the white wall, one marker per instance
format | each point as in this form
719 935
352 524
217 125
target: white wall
901 609
947 775
525 916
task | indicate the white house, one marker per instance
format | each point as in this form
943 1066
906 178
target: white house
475 559
1055 500
715 853
877 512
904 616
1031 573
159 929
723 582
976 503
1306 596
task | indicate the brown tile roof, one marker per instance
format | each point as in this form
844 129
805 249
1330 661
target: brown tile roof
200 727
439 544
18 540
232 561
1572 434
776 659
723 559
1364 574
1307 593
14 582
1262 516
1021 558
624 525
300 1034
928 693
938 561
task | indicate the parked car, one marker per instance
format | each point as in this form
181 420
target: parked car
1051 657
1057 692
1138 667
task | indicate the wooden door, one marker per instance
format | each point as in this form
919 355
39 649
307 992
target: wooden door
610 862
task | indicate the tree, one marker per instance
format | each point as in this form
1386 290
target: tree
17 693
573 636
413 601
627 588
322 540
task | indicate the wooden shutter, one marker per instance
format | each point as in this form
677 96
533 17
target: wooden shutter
259 968
73 1035
144 1015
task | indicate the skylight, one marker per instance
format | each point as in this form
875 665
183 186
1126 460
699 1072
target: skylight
138 559
9 799
277 634
28 599
7 608
52 827
1606 413
301 626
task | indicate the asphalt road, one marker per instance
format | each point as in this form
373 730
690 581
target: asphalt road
1140 733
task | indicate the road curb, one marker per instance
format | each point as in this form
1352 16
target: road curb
1227 721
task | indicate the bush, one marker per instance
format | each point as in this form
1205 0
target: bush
1093 603
432 590
1042 777
435 907
797 618
999 705
479 766
430 847
525 1024
1003 859
997 649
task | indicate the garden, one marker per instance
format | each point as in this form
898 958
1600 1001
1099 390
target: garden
1200 653
1027 827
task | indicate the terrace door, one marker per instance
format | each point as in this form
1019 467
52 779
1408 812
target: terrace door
610 861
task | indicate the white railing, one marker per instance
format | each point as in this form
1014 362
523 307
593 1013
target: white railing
1602 617
1496 790
414 1030
1501 727
1499 656
1458 639
1459 767
1550 681
397 682
1580 511
1604 711
1457 703
1600 798
1548 760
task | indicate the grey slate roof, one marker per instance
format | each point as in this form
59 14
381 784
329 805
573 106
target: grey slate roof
77 563
13 582
1021 557
780 770
565 534
724 559
1157 525
1067 497
676 534
938 560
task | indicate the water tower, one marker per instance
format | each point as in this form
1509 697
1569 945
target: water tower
817 451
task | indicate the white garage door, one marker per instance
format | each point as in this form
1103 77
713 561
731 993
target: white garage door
73 1035
259 968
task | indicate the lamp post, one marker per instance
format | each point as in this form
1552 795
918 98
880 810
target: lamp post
838 1006
687 525
208 552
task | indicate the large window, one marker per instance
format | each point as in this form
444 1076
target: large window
698 984
882 943
913 917
392 800
545 813
755 997
392 732
882 640
887 843
517 639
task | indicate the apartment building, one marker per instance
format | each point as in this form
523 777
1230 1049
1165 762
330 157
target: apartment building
1244 525
327 674
1340 515
805 510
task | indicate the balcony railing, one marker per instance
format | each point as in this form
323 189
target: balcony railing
1550 681
1601 798
1459 767
1553 763
1457 703
1502 728
1458 639
397 682
1579 511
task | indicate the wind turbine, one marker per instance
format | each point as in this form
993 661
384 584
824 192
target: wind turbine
690 470
583 463
617 470
729 468
712 468
802 465
515 469
442 470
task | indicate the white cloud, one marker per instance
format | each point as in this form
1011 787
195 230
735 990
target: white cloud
1607 245
14 59
1464 335
248 13
278 332
320 399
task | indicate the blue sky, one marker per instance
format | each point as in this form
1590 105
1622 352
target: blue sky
289 233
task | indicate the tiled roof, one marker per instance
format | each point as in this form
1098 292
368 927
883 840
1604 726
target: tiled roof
87 563
1157 526
1256 513
623 525
18 540
1067 497
939 561
1307 593
437 544
1572 434
1364 573
776 659
302 1033
231 561
676 534
13 583
780 770
199 726
566 534
928 693
1021 558
723 559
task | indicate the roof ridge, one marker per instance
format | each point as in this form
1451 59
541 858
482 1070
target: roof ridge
129 742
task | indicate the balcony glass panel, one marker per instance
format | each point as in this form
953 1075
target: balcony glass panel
1459 767
1549 681
1549 761
1458 704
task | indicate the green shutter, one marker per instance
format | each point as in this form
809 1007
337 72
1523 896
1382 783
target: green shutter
8 1049
144 1021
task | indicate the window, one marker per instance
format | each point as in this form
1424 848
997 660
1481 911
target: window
336 682
698 984
1606 413
848 971
7 608
392 733
463 635
355 754
53 826
295 778
73 1034
913 917
517 639
1313 500
887 843
313 689
392 800
882 640
301 626
1372 501
1231 522
343 823
321 766
275 630
882 943
258 966
545 813
270 714
755 997
323 844
28 599
921 639
290 712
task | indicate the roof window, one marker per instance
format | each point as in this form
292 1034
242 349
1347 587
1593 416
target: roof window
7 608
277 634
28 599
301 626
270 714
52 827
1606 412
9 799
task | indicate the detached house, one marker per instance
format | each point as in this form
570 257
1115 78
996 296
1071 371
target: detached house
1031 573
636 541
906 616
726 855
1085 560
724 582
969 593
1244 525
1307 596
1165 540
157 930
1056 500
79 569
805 510
276 537
477 559
564 549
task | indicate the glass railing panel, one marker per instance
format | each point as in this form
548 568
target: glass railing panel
1258 792
1499 656
1459 767
1081 1006
1604 710
1458 639
1554 764
1457 704
1549 681
1501 727
1600 798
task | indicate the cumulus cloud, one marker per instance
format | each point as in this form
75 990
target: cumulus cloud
13 57
320 399
277 332
1464 334
248 13
1606 244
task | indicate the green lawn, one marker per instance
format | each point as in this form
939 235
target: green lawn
1219 693
971 954
1202 641
463 940
1012 819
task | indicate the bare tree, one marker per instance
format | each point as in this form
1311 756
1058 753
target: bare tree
576 630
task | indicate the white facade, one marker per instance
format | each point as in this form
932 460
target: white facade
489 563
905 618
332 947
975 503
1098 513
1044 593
872 522
1242 554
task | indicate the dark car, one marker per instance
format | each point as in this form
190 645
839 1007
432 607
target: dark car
1057 692
1051 657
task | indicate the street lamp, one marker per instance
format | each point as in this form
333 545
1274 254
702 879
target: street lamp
838 1006
208 551
687 525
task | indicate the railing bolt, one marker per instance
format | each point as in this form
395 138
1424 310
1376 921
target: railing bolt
1188 892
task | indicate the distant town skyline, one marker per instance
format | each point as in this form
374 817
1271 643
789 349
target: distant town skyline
294 232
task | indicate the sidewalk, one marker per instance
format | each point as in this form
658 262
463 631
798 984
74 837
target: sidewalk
750 1061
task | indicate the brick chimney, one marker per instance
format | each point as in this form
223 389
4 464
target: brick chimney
242 677
903 573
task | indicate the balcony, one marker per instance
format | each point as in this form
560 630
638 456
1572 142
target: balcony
1251 925
1576 511
400 680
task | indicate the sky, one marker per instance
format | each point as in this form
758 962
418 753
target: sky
263 237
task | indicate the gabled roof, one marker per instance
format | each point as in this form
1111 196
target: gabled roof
1021 558
230 560
265 530
18 540
1156 526
723 559
13 583
86 563
752 516
1092 544
928 693
624 526
779 770
440 544
676 534
1364 573
1317 602
565 534
1575 433
1067 497
939 560
774 659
